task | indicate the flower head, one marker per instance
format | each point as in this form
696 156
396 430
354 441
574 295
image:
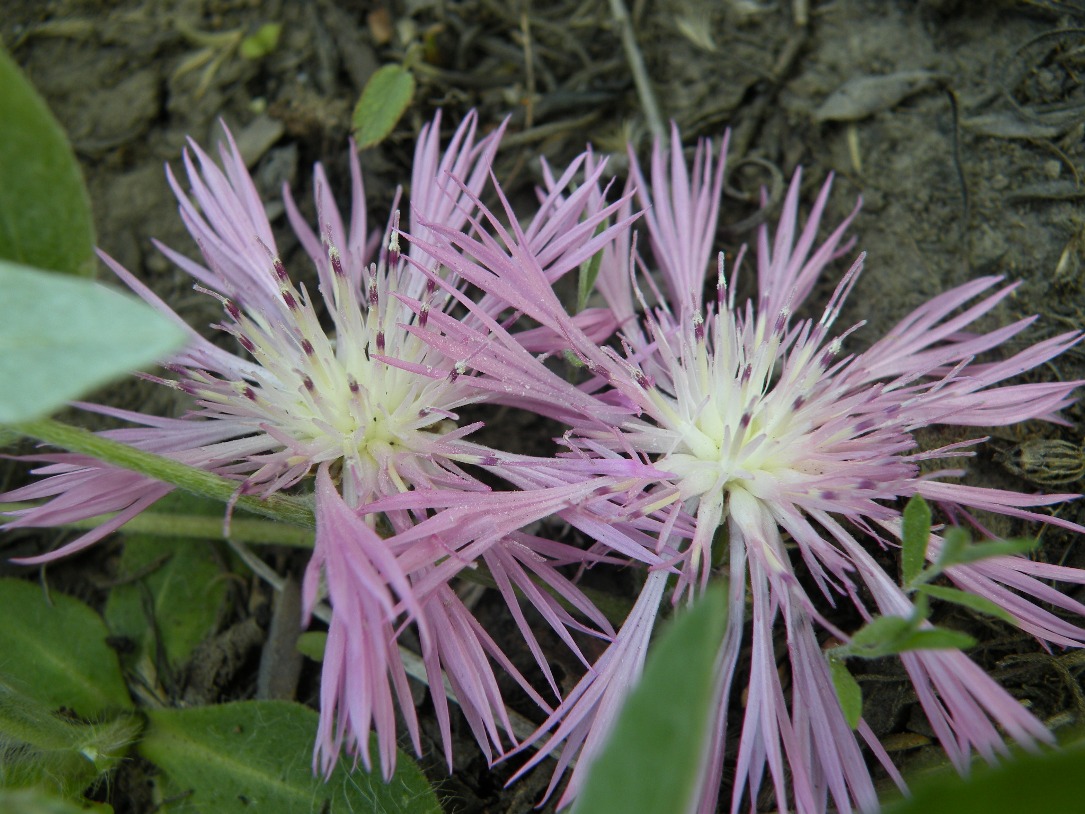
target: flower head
782 454
336 392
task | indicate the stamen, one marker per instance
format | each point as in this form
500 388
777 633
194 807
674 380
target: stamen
393 242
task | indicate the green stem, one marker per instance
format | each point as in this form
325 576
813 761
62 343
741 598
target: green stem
196 481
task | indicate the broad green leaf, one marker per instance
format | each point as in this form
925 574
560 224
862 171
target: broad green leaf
58 654
915 535
257 756
980 604
386 96
178 600
39 801
650 762
262 43
40 748
45 218
1047 782
61 337
848 691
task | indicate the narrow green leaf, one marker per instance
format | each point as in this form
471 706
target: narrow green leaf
915 535
879 637
980 604
936 638
987 550
848 691
954 541
39 801
1045 782
61 337
45 218
176 603
295 511
257 756
589 271
40 748
650 763
386 96
58 654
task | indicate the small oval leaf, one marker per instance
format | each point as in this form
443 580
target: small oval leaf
386 96
45 218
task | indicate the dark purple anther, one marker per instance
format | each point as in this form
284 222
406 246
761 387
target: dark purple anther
280 271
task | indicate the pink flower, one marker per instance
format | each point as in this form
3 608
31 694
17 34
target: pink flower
780 454
371 410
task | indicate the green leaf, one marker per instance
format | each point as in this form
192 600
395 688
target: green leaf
980 604
45 218
879 637
936 638
1047 782
61 337
38 748
915 535
386 96
312 643
891 635
39 801
984 551
650 763
589 271
177 602
848 691
58 654
257 756
262 43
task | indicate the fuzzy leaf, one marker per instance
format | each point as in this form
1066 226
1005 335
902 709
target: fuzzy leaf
1044 782
186 588
915 535
650 763
61 337
39 801
58 654
848 691
386 96
45 218
257 756
39 748
980 604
